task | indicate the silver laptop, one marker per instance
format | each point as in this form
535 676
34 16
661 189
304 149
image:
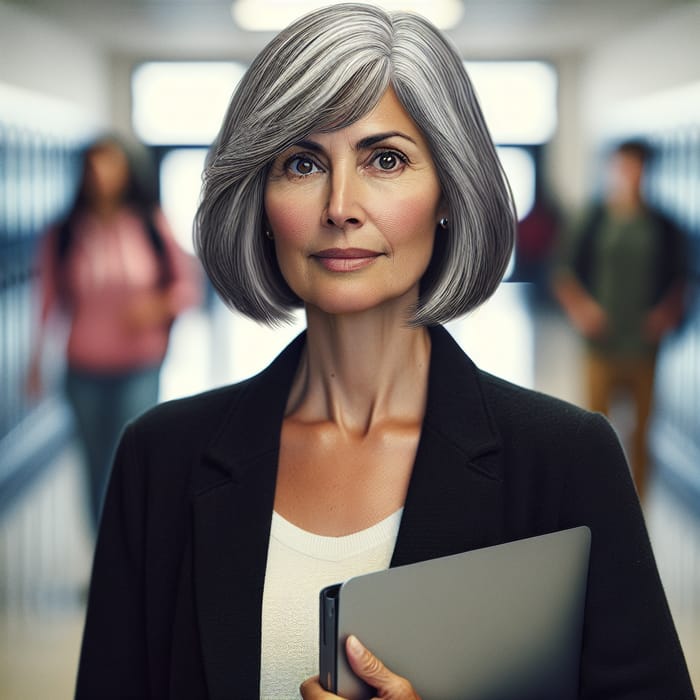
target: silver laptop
499 623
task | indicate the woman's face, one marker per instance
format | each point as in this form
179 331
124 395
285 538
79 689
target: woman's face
107 173
354 212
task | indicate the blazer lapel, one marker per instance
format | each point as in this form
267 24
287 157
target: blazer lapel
455 496
234 497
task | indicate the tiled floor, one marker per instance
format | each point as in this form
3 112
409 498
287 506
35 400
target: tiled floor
45 549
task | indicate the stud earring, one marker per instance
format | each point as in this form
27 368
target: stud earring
443 222
269 234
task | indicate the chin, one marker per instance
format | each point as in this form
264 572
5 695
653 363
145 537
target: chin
349 304
357 295
343 307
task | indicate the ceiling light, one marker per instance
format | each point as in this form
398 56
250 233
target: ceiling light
273 15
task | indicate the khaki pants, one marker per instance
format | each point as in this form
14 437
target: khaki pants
634 376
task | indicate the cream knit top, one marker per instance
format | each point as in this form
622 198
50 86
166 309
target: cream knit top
299 565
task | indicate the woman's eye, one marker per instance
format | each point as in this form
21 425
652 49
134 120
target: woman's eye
300 165
388 160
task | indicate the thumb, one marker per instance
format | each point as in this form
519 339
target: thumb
366 665
371 670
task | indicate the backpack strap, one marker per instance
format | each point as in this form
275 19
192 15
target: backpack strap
584 255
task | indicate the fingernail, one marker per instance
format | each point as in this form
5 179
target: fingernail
355 645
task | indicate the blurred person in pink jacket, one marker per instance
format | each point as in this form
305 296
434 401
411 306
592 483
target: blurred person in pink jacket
114 272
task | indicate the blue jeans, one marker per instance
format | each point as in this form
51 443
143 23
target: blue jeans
103 403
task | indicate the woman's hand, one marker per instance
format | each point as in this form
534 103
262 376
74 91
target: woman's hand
370 669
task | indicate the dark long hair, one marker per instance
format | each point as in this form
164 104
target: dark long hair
140 193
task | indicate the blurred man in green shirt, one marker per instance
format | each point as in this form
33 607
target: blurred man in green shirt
621 284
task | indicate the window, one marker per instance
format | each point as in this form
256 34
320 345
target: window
181 102
518 98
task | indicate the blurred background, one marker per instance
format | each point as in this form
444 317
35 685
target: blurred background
559 82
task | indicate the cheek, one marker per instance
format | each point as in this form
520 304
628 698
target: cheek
421 210
288 217
289 221
411 221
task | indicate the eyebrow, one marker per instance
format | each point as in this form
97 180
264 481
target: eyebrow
362 144
369 141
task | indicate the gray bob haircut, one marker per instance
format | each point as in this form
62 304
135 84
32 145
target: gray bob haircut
324 72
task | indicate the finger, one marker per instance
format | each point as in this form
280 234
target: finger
311 689
371 670
365 664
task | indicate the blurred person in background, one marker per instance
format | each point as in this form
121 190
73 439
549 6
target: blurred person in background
112 271
621 283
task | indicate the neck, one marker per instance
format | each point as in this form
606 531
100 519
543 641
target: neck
105 208
361 369
626 205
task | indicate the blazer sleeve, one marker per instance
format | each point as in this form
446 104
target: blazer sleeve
630 647
113 655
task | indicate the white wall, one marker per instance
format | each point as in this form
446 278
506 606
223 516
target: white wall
616 88
649 60
44 59
120 78
649 73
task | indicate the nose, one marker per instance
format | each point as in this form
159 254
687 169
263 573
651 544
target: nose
343 208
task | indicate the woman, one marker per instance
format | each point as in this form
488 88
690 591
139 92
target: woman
112 269
353 175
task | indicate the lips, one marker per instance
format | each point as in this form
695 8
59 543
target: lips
345 259
346 253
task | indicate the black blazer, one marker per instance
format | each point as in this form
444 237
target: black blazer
176 594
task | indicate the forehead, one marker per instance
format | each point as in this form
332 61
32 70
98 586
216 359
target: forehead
628 159
387 116
107 151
